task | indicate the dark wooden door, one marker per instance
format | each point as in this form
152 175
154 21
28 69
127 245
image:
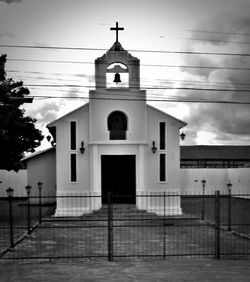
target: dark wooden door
118 176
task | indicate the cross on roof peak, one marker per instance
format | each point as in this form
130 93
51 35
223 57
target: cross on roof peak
116 28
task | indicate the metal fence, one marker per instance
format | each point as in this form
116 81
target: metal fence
213 225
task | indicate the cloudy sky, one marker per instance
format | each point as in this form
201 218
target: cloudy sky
193 30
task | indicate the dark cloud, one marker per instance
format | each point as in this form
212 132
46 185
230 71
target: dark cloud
7 34
198 61
224 27
45 113
10 1
224 118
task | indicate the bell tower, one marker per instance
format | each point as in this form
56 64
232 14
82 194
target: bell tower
117 95
117 61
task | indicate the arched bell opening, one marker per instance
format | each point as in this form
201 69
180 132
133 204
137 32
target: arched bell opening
117 75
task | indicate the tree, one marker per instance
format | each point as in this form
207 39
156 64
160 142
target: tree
17 132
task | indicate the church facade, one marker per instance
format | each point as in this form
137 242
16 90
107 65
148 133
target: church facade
116 143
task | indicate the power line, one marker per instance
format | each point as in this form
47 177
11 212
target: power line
145 65
142 99
161 88
131 50
192 82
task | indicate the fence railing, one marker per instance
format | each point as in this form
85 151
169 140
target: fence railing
216 225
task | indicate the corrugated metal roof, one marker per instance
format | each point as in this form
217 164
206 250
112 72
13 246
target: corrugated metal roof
222 152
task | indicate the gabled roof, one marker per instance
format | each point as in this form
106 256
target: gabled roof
221 152
51 124
181 123
36 154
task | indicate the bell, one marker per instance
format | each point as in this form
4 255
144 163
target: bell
117 78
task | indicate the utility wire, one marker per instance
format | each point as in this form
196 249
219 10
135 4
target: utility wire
172 81
144 99
131 50
144 65
161 88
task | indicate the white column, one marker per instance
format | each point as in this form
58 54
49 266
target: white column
95 166
141 176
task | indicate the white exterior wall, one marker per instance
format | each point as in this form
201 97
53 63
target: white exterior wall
172 152
101 109
171 187
118 149
216 179
42 168
63 152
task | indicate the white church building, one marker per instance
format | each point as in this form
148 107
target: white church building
116 143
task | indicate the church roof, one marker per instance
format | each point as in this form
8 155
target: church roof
182 123
213 152
36 154
52 123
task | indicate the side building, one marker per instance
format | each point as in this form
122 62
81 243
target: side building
215 156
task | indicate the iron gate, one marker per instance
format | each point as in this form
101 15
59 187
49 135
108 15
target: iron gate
210 225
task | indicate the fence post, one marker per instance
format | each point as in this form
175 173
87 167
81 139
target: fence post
39 184
229 186
217 224
10 195
164 225
110 226
203 182
28 188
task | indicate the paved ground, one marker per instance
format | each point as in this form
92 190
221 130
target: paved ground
46 240
180 269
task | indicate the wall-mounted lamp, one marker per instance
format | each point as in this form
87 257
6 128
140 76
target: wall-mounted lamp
39 184
28 189
154 149
10 192
82 149
182 135
203 183
229 186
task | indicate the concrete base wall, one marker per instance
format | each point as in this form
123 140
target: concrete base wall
160 202
76 204
216 179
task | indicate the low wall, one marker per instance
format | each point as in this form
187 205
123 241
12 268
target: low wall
216 179
15 180
190 181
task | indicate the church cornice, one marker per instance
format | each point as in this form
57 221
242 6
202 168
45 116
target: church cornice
116 142
116 49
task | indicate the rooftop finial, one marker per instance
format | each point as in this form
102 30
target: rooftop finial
116 28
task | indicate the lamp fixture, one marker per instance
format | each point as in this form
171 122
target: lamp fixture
203 182
229 185
82 149
182 135
154 149
39 184
10 192
28 189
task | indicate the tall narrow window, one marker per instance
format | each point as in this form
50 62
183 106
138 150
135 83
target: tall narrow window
73 135
73 173
162 167
162 131
117 125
